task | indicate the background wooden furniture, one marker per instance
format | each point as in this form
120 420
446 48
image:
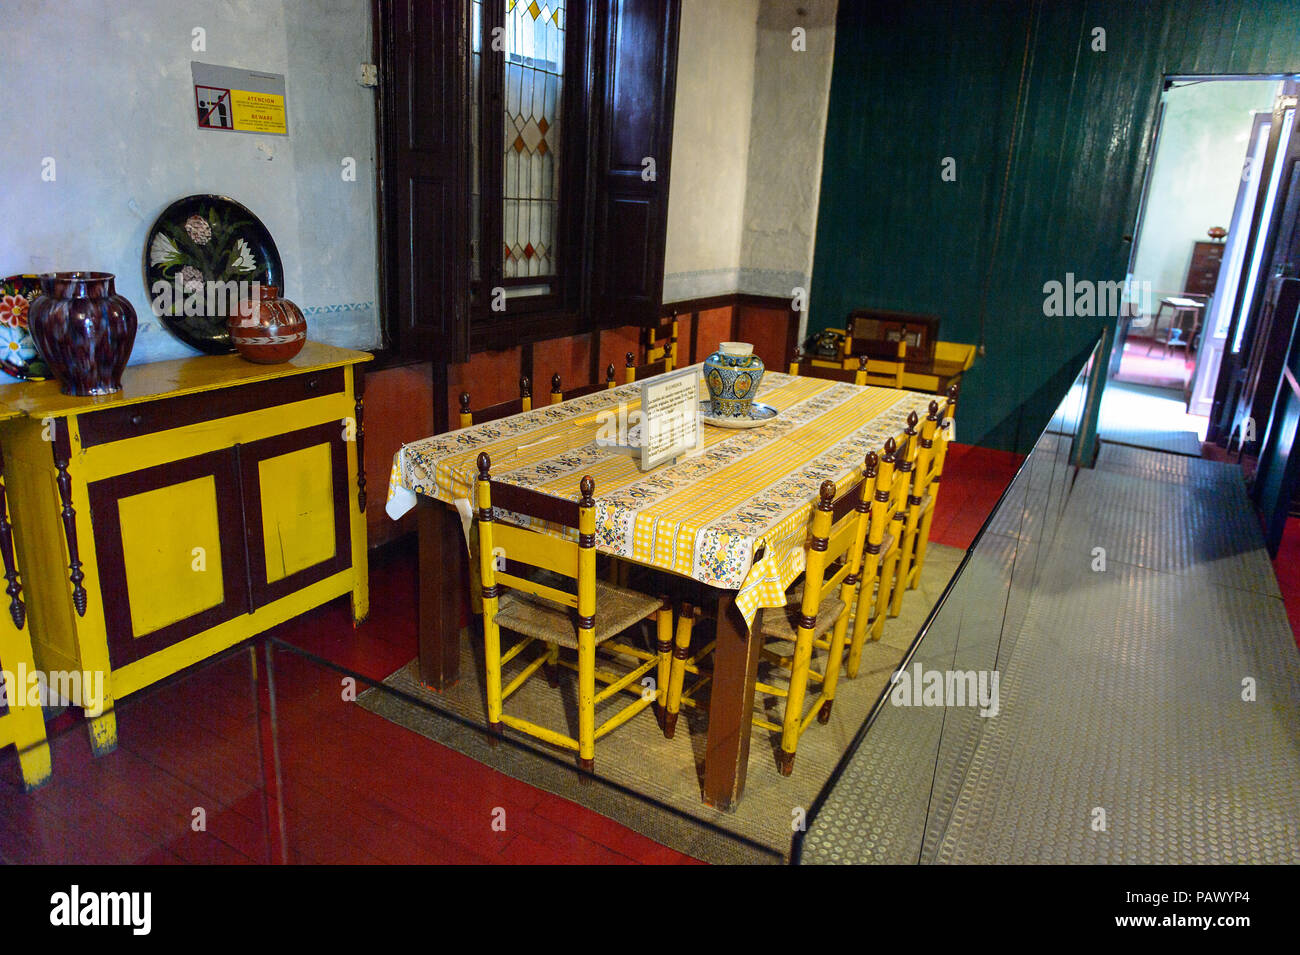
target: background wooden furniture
208 501
875 332
583 390
1203 272
1183 326
502 409
931 365
21 725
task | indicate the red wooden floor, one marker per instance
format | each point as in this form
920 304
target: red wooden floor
357 788
1287 567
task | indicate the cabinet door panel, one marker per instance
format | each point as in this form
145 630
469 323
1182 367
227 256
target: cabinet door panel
296 491
166 532
169 545
295 510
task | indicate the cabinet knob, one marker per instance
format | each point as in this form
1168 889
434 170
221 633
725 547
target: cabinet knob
137 418
311 384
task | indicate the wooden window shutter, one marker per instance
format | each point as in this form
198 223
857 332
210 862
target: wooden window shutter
424 95
639 45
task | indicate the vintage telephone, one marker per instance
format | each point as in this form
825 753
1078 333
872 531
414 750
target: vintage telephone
825 344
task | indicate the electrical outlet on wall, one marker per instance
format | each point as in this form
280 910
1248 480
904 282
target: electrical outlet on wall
368 75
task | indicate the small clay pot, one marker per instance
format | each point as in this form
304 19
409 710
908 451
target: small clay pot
268 329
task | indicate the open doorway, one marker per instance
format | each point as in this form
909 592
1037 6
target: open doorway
1187 259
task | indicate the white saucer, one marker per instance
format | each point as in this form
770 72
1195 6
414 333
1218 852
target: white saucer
759 415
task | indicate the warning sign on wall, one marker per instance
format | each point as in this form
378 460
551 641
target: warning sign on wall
239 101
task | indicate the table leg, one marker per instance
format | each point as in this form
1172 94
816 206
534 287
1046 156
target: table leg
731 703
442 572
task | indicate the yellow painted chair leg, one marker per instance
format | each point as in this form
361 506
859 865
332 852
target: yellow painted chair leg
883 593
900 585
587 698
664 646
551 668
794 700
834 661
492 663
862 614
475 585
677 675
922 542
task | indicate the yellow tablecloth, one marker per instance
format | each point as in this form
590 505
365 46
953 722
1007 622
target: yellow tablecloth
744 494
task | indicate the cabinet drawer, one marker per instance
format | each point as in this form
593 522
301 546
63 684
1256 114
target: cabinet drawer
114 424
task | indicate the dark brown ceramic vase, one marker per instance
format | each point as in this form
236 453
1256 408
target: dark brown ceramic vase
268 329
84 330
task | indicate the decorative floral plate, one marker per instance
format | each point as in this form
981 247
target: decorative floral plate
759 415
198 244
18 354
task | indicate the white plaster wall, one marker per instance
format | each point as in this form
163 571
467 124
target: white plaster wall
750 123
1203 140
105 89
711 123
787 132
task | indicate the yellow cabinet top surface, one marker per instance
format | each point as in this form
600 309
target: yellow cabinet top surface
165 379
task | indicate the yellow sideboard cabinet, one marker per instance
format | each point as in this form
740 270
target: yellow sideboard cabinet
209 500
22 722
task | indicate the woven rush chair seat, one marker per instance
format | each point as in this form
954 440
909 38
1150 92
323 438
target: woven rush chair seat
782 623
617 609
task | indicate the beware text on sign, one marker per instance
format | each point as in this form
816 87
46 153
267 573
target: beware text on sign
239 101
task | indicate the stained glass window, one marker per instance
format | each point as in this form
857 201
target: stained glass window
534 78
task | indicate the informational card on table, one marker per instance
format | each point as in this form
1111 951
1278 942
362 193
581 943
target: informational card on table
239 101
670 417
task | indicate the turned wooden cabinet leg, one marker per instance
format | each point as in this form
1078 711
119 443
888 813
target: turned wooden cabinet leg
62 457
103 732
34 764
13 588
360 553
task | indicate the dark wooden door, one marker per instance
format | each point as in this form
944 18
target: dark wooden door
1274 238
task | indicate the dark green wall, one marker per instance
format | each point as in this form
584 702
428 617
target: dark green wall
915 82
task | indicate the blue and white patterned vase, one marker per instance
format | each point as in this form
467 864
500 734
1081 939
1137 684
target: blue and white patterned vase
732 374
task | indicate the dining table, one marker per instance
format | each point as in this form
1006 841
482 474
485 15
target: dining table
729 517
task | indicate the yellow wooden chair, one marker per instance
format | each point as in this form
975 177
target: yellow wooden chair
817 607
558 394
923 496
870 371
502 409
656 348
817 368
526 576
880 553
884 372
637 372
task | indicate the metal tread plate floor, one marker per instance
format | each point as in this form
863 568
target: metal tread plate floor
1121 694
